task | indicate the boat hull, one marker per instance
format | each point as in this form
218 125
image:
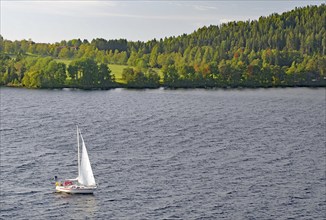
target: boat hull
75 189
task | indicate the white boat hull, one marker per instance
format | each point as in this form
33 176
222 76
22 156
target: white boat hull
76 189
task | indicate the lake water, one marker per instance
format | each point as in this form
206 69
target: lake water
166 154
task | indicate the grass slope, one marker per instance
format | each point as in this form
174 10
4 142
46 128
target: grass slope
116 71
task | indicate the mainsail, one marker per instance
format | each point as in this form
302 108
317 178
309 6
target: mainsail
85 173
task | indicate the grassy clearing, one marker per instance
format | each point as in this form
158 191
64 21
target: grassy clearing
116 71
65 61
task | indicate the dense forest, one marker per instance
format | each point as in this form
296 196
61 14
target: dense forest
278 50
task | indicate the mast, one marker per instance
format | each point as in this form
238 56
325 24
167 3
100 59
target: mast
78 152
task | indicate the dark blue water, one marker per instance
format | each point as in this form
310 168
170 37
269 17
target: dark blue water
162 154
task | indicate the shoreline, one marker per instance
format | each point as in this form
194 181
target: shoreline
167 87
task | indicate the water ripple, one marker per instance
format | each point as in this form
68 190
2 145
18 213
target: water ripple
166 154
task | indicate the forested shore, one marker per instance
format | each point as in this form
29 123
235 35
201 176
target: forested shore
280 50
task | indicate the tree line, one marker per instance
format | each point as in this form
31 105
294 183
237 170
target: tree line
46 72
277 50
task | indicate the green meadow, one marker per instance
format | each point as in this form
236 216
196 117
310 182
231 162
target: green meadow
116 70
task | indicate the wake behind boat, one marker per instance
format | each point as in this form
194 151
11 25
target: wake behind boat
85 182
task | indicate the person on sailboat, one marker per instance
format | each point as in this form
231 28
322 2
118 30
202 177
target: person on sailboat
57 183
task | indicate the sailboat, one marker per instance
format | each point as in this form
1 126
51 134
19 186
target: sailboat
85 182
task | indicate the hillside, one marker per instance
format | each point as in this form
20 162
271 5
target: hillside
277 50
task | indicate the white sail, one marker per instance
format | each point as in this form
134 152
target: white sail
86 176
